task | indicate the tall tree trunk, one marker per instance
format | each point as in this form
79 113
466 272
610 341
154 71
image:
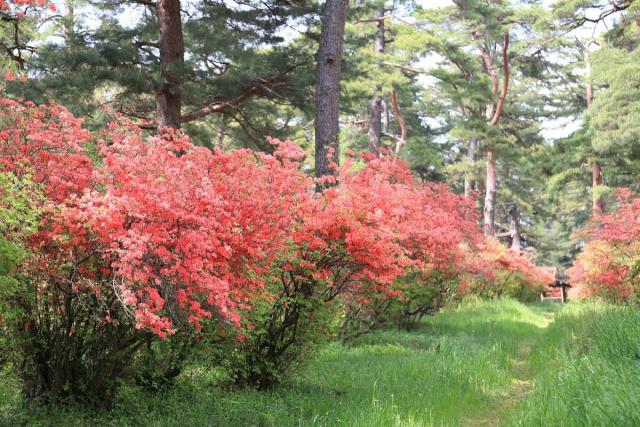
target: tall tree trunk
327 97
469 183
375 108
598 202
375 124
493 115
514 220
490 193
385 116
171 46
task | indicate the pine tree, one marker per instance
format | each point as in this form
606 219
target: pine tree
178 66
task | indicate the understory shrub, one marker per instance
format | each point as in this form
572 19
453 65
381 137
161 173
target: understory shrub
504 273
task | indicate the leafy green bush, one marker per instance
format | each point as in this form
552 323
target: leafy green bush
419 295
282 332
17 216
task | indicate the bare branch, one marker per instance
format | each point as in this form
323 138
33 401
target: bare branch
405 68
371 20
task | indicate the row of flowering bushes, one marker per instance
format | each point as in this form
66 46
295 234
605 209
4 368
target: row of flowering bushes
121 253
609 265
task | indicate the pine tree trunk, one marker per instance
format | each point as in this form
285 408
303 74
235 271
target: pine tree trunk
516 238
599 206
68 20
171 46
327 97
490 193
375 124
385 116
493 115
375 108
469 184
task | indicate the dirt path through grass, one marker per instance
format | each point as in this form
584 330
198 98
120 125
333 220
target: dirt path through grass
522 383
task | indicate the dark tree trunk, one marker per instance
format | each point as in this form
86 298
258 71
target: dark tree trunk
327 97
171 46
376 107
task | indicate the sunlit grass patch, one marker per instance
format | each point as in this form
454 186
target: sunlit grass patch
587 370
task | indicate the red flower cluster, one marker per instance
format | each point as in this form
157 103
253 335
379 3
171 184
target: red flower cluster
179 233
610 262
5 5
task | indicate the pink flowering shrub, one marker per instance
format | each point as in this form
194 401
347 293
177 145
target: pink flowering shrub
610 261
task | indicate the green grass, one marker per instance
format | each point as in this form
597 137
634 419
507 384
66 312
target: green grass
587 370
452 371
480 364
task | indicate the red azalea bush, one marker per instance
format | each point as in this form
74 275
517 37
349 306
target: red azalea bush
355 241
610 261
149 239
433 229
143 239
496 272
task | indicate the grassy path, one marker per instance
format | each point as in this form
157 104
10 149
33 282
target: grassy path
466 366
484 363
523 378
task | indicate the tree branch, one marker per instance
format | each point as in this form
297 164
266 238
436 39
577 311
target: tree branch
257 88
505 83
371 20
405 68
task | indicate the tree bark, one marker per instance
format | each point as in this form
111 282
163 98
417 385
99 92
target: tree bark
385 116
375 124
327 97
68 20
375 108
490 193
493 115
171 46
401 140
598 202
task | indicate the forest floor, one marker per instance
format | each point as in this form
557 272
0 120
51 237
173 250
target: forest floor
480 364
